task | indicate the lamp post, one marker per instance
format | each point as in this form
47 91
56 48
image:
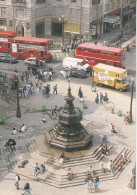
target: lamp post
130 112
18 112
62 20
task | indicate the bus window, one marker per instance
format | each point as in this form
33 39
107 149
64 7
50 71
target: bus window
116 54
20 51
93 51
87 50
103 53
111 64
80 49
103 62
110 54
98 51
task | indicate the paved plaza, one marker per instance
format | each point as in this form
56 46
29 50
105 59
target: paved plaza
96 119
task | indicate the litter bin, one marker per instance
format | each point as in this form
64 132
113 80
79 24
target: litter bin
119 113
1 120
43 108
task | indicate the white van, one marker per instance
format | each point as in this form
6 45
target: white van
75 63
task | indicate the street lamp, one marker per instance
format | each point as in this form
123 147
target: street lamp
18 112
130 112
63 21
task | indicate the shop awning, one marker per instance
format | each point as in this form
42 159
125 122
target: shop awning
125 13
111 19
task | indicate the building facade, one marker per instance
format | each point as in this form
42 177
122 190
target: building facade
77 19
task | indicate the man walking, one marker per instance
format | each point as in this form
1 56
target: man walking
17 178
55 87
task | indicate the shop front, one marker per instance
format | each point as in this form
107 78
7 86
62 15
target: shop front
110 22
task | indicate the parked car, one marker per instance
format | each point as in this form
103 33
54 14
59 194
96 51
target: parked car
78 73
4 57
34 61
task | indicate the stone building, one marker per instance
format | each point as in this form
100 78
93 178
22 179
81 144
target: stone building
71 18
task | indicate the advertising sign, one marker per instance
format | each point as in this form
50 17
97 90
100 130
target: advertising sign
3 40
14 47
32 47
103 76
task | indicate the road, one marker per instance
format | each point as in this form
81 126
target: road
130 63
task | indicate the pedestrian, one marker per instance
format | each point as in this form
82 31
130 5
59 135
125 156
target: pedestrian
47 90
96 183
44 91
110 166
1 89
105 97
26 188
90 185
70 174
80 93
113 129
40 86
7 93
22 77
97 99
128 49
36 82
14 131
90 72
36 169
104 140
102 169
50 75
55 87
90 171
101 98
42 168
17 179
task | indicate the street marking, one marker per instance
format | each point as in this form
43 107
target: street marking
57 65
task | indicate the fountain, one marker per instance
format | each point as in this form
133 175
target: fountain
68 133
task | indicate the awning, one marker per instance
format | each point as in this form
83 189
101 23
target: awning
125 13
111 19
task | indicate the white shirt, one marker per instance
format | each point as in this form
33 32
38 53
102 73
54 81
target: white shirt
110 128
23 129
14 131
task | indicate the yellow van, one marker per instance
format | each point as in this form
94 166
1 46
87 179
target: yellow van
110 76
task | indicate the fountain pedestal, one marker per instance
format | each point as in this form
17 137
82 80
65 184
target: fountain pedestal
68 133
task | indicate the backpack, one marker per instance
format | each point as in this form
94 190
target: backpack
18 177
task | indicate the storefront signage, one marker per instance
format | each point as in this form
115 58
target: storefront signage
33 47
111 19
103 76
3 40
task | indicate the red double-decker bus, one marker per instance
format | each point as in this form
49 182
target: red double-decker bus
5 40
25 47
94 54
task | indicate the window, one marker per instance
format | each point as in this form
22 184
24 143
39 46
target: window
20 13
94 2
109 63
112 5
110 54
80 49
93 51
116 54
107 7
2 22
40 1
3 11
74 1
87 50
